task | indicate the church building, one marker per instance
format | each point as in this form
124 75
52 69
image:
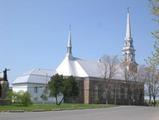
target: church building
90 78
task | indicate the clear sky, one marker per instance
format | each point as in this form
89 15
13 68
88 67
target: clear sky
33 33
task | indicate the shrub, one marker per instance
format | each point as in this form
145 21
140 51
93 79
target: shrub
25 99
21 98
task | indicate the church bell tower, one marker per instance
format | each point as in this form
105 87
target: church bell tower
128 49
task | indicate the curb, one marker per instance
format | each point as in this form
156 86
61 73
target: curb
15 111
39 110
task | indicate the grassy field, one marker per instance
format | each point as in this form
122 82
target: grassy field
49 107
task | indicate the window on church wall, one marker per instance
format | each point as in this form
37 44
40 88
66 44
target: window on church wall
126 93
96 93
132 96
137 93
118 93
35 89
122 92
111 93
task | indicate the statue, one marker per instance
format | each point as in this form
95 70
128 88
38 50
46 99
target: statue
4 87
5 78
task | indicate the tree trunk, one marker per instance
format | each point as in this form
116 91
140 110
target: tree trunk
60 101
56 100
149 92
106 95
154 100
115 95
149 98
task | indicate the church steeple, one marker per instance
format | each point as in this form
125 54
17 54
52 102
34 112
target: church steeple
128 27
69 45
128 49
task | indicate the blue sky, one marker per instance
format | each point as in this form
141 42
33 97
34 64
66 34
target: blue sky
33 33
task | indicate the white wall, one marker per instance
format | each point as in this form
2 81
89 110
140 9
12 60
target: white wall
35 94
17 88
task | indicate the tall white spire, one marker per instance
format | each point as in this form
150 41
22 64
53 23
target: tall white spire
69 44
128 49
128 27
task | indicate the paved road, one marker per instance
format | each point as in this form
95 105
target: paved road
115 113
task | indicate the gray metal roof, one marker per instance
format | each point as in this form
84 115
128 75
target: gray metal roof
69 66
84 68
77 67
41 76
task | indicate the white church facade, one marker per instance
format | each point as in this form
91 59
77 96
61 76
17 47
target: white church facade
34 82
89 77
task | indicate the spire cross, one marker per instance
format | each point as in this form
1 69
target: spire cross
69 27
128 9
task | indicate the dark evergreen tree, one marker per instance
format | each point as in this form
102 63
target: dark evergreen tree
70 87
56 86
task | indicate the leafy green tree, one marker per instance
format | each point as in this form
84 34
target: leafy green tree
56 86
59 85
155 7
154 59
25 99
70 87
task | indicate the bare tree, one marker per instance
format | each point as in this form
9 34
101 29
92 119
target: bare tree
140 84
150 76
129 77
132 81
109 67
151 72
152 83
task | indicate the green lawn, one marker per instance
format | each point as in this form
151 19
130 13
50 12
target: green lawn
48 107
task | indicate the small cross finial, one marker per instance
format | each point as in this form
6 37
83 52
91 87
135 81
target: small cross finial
128 9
